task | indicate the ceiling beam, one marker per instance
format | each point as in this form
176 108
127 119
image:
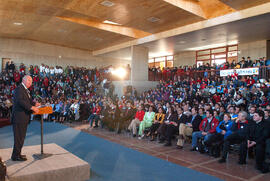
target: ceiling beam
188 5
126 31
215 8
236 16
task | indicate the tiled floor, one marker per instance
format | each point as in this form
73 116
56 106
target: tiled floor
194 160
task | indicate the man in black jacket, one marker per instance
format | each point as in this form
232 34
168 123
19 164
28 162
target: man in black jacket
258 134
188 127
173 126
23 106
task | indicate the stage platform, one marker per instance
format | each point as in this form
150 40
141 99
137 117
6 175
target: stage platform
62 165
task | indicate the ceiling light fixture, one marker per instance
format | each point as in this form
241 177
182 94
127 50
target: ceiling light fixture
182 42
107 3
153 19
17 23
62 31
110 22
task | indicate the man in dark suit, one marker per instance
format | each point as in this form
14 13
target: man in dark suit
23 106
174 126
125 118
187 128
258 134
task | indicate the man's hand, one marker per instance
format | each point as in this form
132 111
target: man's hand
35 109
204 133
37 104
223 132
174 123
251 144
189 124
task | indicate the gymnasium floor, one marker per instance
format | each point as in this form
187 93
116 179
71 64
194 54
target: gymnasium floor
109 161
194 160
121 157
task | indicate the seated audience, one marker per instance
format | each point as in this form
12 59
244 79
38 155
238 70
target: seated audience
186 129
147 122
207 129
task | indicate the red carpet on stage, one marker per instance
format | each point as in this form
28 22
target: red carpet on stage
4 122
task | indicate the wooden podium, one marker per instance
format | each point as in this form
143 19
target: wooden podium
42 110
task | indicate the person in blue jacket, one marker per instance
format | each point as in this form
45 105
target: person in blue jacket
223 130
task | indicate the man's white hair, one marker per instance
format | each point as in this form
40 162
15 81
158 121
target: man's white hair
26 77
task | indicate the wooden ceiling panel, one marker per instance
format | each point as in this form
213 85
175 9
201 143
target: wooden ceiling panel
243 4
134 13
69 34
39 19
29 21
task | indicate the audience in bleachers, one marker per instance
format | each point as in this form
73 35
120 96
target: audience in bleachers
158 73
215 112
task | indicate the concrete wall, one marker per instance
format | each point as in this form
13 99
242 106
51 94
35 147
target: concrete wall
32 52
255 49
185 58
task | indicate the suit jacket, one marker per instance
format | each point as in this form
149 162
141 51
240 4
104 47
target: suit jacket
22 104
259 132
182 119
172 118
129 114
196 122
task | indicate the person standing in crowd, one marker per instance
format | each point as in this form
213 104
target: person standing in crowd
23 106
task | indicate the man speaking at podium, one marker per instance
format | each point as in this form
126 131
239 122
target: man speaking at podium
23 106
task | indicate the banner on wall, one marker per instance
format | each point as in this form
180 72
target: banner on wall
246 71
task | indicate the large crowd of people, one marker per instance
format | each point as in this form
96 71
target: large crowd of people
66 87
212 112
158 73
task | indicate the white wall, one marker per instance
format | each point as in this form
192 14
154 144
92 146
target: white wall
255 49
34 53
185 58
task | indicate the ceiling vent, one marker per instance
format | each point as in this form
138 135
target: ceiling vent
107 3
153 19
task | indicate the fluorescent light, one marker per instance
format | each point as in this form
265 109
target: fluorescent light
17 23
153 19
107 3
110 22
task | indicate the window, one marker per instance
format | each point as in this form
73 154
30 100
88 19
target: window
218 55
166 61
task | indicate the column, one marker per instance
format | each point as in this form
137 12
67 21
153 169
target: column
139 63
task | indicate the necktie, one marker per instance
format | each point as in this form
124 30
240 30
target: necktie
28 93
